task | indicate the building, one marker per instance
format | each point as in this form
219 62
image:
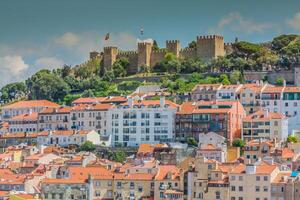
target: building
67 138
27 123
26 107
265 125
65 189
285 186
228 92
212 152
207 47
221 117
291 101
206 92
258 149
146 121
271 98
97 100
54 119
250 96
252 181
90 117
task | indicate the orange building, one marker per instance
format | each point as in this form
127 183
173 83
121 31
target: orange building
222 117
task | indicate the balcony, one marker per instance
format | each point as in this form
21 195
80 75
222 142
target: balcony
42 121
65 120
98 127
73 118
98 117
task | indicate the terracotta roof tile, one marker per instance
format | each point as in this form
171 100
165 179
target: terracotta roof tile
31 104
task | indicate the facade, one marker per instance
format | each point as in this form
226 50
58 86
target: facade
250 96
228 92
27 123
221 117
90 117
206 92
26 107
265 125
147 121
258 149
66 138
252 181
54 119
212 152
207 47
65 189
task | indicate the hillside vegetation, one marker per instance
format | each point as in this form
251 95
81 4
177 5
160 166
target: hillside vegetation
67 83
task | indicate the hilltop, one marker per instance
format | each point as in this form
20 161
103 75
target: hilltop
64 84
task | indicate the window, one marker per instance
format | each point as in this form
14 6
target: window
61 196
53 195
266 189
240 178
240 188
232 178
218 195
240 198
140 189
97 194
265 178
257 189
257 178
232 198
232 188
131 185
286 104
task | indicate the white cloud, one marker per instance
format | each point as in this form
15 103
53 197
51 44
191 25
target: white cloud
14 64
236 22
12 68
69 48
49 62
68 39
294 22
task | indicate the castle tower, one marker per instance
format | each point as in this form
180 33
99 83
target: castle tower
173 46
109 56
209 47
144 53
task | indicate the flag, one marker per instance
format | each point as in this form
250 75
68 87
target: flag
106 36
142 31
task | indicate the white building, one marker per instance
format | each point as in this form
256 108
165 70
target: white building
228 92
66 138
145 121
25 107
90 117
54 119
23 123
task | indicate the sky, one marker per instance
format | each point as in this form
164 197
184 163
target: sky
36 34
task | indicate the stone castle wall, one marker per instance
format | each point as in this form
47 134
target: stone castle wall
207 47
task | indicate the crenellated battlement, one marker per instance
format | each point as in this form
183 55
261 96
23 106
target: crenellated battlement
209 37
126 53
207 47
172 41
109 48
143 44
187 50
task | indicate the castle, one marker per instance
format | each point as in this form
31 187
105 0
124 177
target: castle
207 47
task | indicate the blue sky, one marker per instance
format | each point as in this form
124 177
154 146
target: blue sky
39 34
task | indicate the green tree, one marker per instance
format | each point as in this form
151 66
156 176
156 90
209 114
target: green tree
155 45
119 156
46 85
191 141
224 79
193 44
120 67
65 71
292 139
236 77
238 143
87 146
88 93
279 81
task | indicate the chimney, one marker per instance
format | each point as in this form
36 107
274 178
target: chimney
162 101
130 102
266 113
250 169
